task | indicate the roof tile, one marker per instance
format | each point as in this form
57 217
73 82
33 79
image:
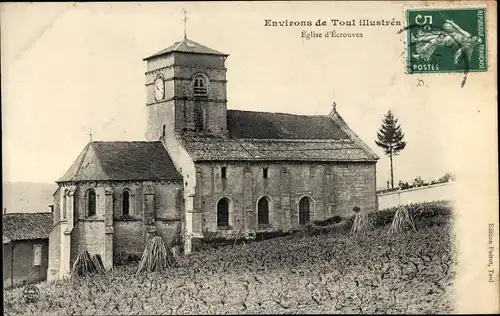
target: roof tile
100 161
266 125
187 46
26 226
280 137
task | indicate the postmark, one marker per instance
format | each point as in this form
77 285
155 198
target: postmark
446 40
31 293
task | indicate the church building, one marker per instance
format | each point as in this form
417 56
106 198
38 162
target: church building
204 169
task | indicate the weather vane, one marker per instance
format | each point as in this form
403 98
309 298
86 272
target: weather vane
185 20
90 134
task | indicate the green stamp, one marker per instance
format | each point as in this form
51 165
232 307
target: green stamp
446 40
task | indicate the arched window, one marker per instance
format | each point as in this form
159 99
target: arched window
263 211
91 202
304 210
64 205
125 203
163 131
223 213
200 86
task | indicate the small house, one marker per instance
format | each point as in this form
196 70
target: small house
25 247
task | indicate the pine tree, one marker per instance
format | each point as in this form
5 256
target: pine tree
390 139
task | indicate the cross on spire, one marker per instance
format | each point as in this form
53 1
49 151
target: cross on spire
90 134
185 20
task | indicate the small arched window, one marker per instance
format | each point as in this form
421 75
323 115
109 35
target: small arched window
163 131
125 203
263 211
305 210
91 202
200 86
223 213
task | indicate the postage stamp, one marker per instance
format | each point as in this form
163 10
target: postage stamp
446 40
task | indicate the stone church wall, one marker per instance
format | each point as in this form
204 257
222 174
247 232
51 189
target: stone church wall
335 189
354 185
87 235
129 231
129 239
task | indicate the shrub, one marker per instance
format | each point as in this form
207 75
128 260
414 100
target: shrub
418 211
329 221
312 229
271 234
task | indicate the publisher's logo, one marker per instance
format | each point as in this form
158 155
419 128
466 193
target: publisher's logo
31 293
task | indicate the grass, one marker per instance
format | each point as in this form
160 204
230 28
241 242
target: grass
326 272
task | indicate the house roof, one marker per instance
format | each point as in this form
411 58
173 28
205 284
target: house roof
187 46
26 226
139 160
280 137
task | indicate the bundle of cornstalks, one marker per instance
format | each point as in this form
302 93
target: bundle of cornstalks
402 221
361 224
156 256
87 265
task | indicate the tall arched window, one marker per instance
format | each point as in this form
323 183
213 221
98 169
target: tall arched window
125 203
223 213
200 86
65 205
305 210
91 202
163 131
263 211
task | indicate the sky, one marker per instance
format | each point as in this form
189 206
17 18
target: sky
71 68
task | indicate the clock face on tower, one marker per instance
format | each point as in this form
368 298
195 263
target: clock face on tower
159 89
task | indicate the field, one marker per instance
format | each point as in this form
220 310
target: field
320 270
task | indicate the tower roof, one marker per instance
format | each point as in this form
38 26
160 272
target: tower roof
187 46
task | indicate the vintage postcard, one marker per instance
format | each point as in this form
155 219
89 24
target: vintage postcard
194 158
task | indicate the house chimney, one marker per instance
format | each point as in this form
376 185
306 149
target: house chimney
51 206
5 210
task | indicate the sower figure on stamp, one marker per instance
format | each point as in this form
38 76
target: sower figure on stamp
452 34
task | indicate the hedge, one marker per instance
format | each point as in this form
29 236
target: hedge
423 214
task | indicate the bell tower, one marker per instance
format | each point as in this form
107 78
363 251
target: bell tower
186 90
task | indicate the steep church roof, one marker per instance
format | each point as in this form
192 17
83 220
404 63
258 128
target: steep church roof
142 160
280 137
187 46
266 125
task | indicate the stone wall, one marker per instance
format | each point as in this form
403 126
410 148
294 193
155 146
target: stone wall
18 263
87 234
178 105
430 193
334 189
110 230
54 252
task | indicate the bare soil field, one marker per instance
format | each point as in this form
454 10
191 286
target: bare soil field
313 272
